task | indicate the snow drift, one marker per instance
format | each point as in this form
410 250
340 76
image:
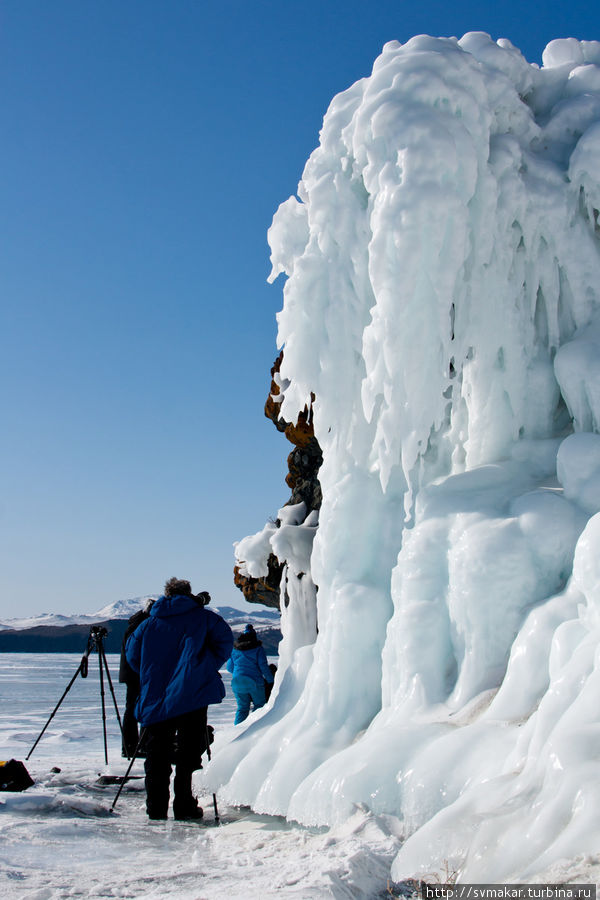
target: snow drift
443 304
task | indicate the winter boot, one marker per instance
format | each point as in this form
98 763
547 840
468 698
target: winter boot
187 810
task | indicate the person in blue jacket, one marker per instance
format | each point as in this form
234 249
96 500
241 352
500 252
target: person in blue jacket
177 651
250 669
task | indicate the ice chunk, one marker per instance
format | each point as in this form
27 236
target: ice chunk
563 51
578 470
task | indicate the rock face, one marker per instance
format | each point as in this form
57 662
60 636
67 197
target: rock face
304 463
261 590
305 459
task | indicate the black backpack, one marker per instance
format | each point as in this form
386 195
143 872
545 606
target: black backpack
14 776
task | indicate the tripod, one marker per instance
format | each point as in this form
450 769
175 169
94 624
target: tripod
95 642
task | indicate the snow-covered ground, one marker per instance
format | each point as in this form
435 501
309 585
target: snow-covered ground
59 839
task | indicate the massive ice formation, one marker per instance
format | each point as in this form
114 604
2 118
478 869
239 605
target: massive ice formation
443 305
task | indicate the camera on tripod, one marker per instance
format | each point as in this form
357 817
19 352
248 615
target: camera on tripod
95 642
97 634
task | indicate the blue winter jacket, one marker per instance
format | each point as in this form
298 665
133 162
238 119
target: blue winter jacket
252 663
178 651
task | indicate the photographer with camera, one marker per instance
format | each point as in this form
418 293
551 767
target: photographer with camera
177 651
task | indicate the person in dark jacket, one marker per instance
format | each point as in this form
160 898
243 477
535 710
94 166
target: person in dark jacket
250 669
177 652
130 678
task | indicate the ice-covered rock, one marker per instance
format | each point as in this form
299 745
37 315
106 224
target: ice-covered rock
441 305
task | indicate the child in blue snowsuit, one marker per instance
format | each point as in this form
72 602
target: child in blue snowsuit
250 669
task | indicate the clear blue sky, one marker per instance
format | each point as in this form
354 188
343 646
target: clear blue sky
145 147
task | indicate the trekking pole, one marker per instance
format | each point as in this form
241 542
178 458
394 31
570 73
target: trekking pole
217 820
129 768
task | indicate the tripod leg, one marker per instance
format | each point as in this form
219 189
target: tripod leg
129 767
103 706
112 690
68 688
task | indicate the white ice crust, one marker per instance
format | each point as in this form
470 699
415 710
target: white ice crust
443 304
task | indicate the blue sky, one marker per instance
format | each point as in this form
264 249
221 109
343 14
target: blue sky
146 146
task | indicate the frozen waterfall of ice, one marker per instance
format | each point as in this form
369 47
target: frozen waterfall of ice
443 304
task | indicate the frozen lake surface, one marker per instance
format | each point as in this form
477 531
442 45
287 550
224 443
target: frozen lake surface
59 839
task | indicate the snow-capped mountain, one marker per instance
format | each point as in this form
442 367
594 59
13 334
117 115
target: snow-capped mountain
123 609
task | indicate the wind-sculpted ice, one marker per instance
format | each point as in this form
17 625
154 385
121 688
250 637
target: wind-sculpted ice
443 304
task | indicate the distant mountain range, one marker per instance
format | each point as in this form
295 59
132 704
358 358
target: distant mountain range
55 633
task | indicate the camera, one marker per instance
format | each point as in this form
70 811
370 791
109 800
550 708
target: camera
203 598
97 632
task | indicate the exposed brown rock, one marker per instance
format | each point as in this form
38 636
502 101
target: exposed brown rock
304 463
305 460
272 406
261 590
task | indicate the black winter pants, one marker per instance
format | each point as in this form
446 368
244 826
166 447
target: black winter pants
130 725
180 740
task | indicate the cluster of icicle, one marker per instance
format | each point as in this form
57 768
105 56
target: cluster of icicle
443 305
